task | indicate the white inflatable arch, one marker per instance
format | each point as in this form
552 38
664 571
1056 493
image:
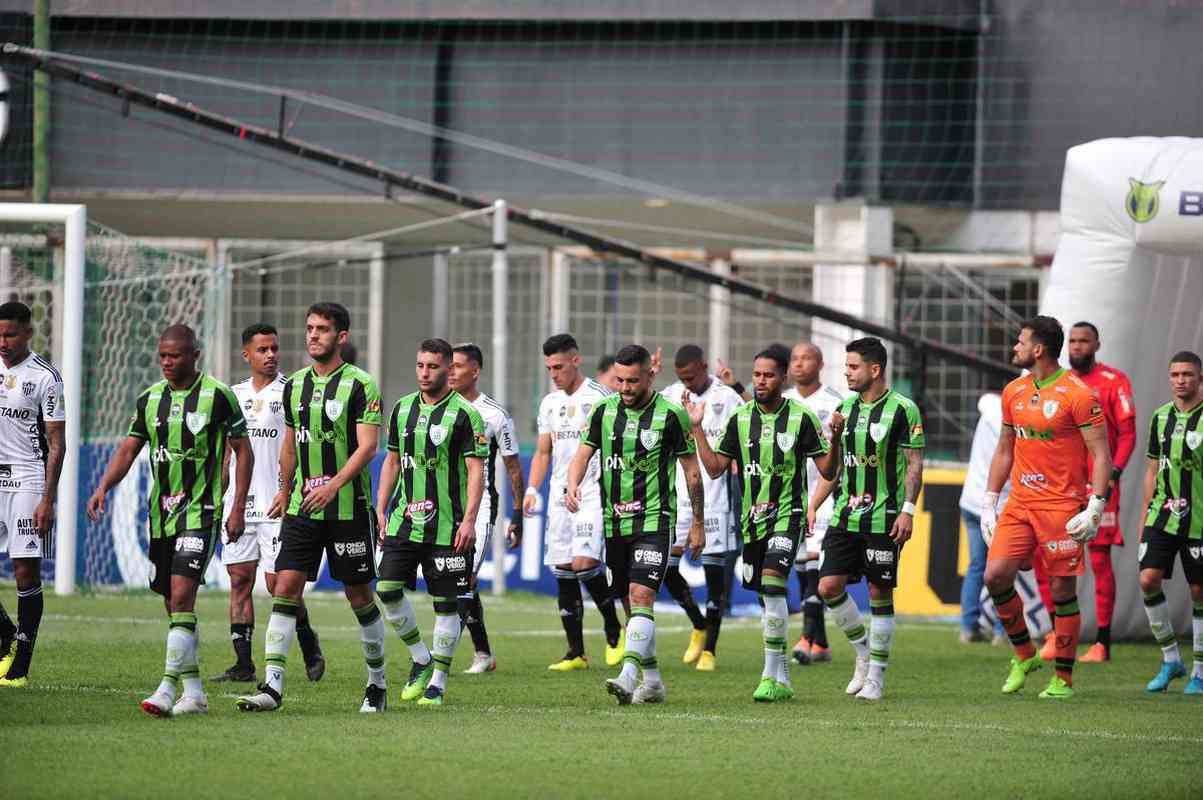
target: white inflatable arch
1130 260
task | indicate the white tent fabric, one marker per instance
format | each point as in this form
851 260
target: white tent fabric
1130 260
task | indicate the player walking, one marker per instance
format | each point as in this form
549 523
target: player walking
331 424
874 509
1052 424
719 401
770 441
1174 522
574 540
805 366
640 437
186 420
434 476
261 397
32 446
466 363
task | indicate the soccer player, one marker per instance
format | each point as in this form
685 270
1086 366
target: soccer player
874 508
1114 393
640 437
604 374
32 446
574 539
1174 522
805 365
434 477
331 424
262 399
770 441
186 420
1051 424
695 383
466 363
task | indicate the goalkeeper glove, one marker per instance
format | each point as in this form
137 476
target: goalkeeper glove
1084 526
989 517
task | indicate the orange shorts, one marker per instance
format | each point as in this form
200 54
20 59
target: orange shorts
1022 533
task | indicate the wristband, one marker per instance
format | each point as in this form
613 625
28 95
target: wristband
531 492
908 508
739 388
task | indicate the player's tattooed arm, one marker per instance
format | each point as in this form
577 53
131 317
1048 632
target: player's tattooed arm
914 473
288 473
697 498
513 465
56 450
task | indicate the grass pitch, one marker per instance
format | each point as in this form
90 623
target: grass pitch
944 730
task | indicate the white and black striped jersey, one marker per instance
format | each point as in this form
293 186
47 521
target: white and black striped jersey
499 429
264 412
721 402
824 403
31 394
564 416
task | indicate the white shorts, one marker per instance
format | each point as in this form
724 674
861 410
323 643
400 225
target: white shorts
484 542
813 544
720 537
17 534
570 536
259 542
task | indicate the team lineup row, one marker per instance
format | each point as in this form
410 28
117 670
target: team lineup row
637 478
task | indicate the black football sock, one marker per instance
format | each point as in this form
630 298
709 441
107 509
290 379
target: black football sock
241 636
716 578
472 616
1104 638
678 587
29 618
572 610
306 636
599 588
813 608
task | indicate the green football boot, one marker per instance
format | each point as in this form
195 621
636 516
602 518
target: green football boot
766 691
419 676
1019 673
1057 689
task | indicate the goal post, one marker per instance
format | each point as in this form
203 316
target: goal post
74 219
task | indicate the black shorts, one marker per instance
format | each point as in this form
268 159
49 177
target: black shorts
445 570
776 551
640 559
1158 548
186 553
873 556
349 545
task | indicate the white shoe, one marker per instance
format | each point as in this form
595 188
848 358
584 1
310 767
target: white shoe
858 675
647 692
870 691
158 704
267 699
481 663
622 691
190 705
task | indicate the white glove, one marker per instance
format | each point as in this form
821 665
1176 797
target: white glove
989 517
1084 526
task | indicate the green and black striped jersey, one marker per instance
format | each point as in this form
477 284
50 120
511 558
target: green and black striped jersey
1176 442
186 433
638 450
433 442
322 413
873 482
770 449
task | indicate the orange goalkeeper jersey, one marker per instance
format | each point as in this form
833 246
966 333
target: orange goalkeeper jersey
1048 416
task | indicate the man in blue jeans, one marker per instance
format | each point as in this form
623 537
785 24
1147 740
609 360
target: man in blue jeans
985 439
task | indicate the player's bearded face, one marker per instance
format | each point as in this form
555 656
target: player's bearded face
1024 351
859 373
634 383
14 339
322 341
1082 347
767 380
431 373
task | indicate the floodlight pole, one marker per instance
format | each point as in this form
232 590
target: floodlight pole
75 219
501 280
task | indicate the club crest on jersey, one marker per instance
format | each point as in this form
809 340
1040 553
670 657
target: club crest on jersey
334 409
195 421
437 433
878 431
1050 408
27 388
649 438
1193 438
786 440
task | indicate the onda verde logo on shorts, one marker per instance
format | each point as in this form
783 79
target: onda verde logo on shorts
1143 200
